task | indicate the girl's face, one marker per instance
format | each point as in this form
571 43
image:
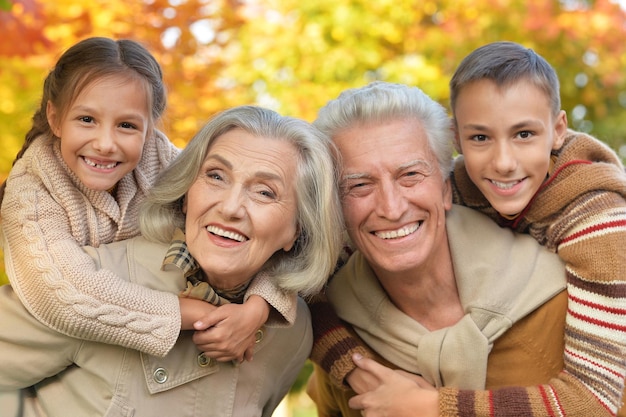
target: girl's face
104 130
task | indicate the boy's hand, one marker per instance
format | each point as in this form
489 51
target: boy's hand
230 332
398 393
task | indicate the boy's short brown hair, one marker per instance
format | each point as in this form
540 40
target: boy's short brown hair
506 63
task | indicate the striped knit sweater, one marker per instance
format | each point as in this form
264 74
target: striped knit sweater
580 212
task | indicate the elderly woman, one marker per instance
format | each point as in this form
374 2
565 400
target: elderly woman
253 193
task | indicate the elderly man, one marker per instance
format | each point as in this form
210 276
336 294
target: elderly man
435 289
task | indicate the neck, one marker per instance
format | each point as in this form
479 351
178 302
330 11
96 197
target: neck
429 295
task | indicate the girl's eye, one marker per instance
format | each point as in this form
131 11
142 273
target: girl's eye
86 119
126 125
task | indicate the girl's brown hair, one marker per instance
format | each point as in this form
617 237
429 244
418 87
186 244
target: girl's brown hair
89 60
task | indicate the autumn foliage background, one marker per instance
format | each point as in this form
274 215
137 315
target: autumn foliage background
294 55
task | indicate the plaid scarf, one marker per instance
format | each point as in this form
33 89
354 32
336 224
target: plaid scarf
178 256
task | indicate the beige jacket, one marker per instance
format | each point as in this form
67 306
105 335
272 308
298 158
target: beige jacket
94 379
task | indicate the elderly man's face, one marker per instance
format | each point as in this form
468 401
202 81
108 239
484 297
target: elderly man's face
242 207
394 198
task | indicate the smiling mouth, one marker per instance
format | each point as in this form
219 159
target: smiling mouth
402 232
505 185
94 164
226 234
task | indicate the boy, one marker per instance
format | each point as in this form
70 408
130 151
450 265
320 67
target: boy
524 168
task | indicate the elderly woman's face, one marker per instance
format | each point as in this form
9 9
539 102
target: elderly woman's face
242 206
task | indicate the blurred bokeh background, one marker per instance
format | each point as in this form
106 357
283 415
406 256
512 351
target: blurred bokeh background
294 55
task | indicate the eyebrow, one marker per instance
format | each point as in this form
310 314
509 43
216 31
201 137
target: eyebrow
519 125
414 163
259 174
417 162
90 110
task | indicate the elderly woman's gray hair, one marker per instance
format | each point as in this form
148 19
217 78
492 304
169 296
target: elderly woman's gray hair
307 266
380 102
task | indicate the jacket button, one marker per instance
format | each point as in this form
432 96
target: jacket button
204 360
160 375
258 336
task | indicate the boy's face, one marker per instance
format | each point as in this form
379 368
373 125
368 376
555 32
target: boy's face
506 136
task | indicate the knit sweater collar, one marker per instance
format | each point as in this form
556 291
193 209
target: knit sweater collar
571 174
499 282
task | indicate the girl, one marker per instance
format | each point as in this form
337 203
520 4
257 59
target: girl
88 162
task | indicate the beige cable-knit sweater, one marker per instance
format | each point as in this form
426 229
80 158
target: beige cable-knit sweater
48 214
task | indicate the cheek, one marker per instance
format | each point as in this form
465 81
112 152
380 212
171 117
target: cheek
352 212
135 151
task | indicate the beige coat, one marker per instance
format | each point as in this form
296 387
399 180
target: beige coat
94 379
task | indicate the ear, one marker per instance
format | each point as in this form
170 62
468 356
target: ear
447 195
560 130
52 116
292 242
457 140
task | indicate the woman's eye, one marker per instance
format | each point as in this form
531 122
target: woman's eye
214 175
268 194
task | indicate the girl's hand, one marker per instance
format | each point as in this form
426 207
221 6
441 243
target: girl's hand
231 331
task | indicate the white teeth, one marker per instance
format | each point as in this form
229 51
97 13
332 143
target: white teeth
405 231
230 235
100 166
504 185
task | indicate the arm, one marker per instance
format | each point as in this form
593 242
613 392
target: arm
61 287
588 234
334 345
230 332
398 393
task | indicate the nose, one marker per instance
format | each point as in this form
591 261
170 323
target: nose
232 202
391 202
105 142
504 159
